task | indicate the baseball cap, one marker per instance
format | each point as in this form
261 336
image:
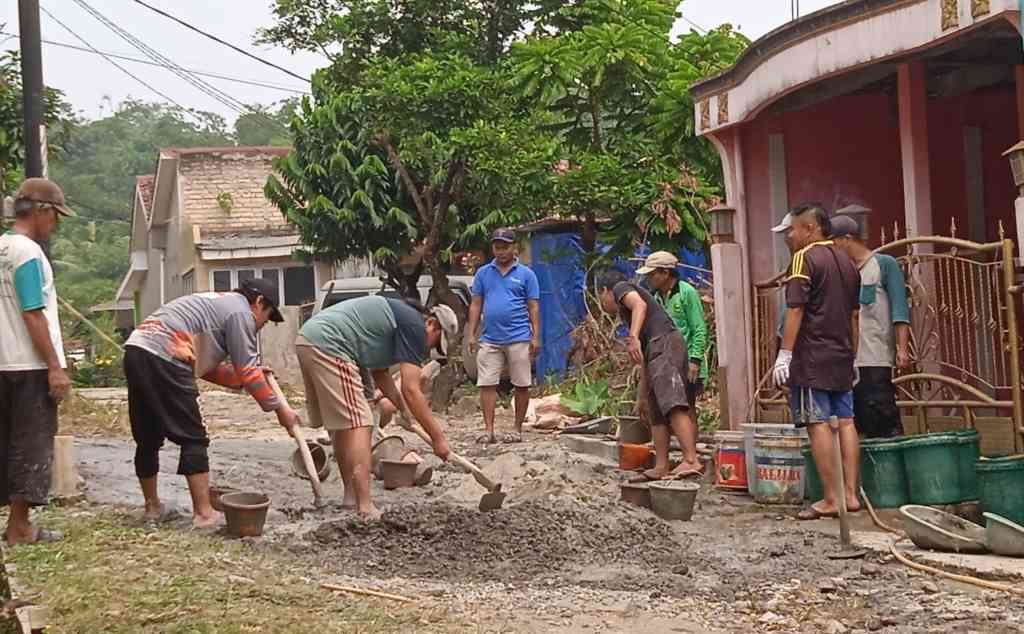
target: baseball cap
449 326
42 191
786 223
268 290
503 235
845 227
658 260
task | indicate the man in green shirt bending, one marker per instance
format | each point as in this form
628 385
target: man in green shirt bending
683 304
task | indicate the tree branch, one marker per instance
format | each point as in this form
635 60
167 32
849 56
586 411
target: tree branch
410 186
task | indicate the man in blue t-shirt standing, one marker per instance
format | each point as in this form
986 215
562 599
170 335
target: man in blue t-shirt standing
507 294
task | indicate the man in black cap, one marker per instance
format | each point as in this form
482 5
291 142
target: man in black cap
32 376
186 338
506 293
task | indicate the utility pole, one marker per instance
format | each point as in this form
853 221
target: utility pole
32 87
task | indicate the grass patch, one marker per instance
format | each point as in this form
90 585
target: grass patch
111 576
89 418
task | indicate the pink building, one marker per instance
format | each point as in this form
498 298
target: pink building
904 107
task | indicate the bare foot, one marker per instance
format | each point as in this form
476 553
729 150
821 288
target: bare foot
852 504
687 469
370 514
154 512
201 522
347 504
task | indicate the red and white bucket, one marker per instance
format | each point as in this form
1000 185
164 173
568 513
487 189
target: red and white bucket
730 461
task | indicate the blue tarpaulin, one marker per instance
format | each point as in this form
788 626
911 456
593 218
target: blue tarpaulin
557 259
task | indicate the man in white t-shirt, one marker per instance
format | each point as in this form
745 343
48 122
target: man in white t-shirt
32 376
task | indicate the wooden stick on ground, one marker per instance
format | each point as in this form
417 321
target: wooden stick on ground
362 591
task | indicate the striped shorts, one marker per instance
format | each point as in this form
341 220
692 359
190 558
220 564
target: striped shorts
334 389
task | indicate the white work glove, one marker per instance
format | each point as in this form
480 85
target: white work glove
781 370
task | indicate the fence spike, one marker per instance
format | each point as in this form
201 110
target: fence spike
952 227
1002 233
883 235
895 231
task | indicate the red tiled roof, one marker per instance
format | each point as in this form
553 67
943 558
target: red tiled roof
145 185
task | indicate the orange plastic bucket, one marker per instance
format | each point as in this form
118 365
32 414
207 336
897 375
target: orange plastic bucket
634 457
731 461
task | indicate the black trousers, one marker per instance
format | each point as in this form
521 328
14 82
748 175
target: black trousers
163 402
28 423
874 404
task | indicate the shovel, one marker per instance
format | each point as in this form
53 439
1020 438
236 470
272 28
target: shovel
307 458
846 548
490 501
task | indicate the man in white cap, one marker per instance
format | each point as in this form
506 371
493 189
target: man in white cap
369 333
783 228
32 376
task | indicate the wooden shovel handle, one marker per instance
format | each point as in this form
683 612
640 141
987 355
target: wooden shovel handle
454 457
307 458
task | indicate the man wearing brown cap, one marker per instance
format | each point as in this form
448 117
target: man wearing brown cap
32 376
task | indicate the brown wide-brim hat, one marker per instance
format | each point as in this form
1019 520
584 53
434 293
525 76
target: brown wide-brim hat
42 191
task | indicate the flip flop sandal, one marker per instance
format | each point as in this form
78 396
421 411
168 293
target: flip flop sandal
811 513
644 476
687 475
486 439
43 536
512 438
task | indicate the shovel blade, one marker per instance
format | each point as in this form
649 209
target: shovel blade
847 553
491 501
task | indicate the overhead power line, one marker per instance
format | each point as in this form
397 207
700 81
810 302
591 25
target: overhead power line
128 58
106 57
203 86
220 41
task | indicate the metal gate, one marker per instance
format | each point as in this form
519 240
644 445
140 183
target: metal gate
966 345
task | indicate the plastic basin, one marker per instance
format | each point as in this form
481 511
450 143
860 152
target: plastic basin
387 448
814 490
1000 486
1003 536
673 500
933 529
933 468
216 492
320 461
636 493
398 474
245 513
634 457
969 452
883 473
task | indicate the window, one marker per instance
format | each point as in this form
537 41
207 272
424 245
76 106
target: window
245 275
222 281
188 283
299 287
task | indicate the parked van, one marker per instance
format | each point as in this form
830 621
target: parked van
337 291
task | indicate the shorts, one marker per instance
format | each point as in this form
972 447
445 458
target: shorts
28 423
667 371
491 359
874 404
809 406
163 403
335 399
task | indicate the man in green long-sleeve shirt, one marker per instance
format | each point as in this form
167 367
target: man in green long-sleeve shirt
683 304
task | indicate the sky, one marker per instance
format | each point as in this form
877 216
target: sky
94 86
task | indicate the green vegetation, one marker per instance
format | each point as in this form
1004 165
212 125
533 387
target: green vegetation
110 575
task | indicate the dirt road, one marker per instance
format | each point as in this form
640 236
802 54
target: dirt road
564 554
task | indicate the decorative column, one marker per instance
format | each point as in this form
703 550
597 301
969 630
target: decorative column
917 181
730 266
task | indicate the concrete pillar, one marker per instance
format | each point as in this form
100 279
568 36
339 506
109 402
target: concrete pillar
917 182
780 195
733 333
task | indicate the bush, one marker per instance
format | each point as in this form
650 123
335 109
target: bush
103 371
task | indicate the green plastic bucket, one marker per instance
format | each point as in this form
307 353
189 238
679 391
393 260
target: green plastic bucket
814 490
933 468
883 472
1000 483
970 451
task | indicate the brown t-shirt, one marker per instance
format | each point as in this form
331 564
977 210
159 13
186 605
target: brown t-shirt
657 322
826 283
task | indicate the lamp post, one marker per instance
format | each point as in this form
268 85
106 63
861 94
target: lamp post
1016 156
722 224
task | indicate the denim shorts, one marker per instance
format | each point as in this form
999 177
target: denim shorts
809 405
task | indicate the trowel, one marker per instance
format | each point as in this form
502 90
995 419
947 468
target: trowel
846 547
490 501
